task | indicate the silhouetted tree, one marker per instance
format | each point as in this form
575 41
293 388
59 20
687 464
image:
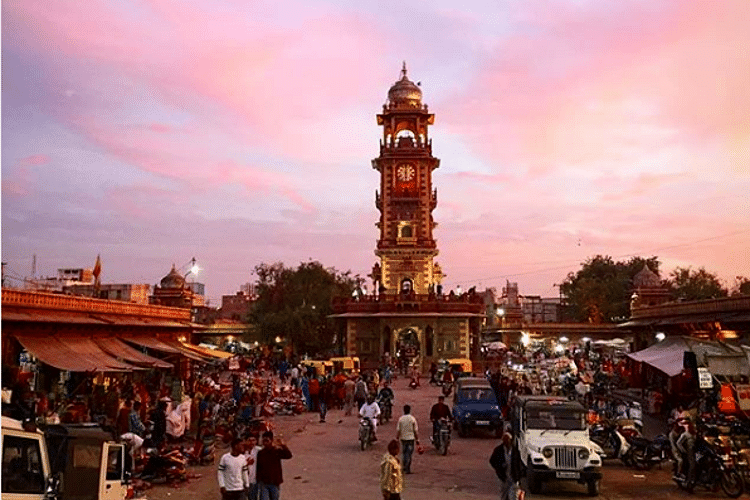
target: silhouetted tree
295 303
687 284
600 291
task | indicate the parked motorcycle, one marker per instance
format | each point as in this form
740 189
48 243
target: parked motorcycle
165 467
606 434
442 438
645 454
365 433
711 472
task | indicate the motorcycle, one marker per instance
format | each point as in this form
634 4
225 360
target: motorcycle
613 443
386 410
711 472
165 467
645 454
442 438
365 433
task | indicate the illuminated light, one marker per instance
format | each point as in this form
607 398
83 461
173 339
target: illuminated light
182 338
277 339
195 269
256 343
660 336
230 338
563 339
559 348
585 339
525 339
500 311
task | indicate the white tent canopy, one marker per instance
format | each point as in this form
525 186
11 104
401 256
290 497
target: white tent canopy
667 355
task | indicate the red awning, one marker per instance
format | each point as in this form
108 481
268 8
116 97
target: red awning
72 354
120 349
151 343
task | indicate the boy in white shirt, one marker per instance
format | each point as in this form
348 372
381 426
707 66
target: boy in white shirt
233 472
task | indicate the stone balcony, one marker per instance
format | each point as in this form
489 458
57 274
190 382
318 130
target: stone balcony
411 303
27 301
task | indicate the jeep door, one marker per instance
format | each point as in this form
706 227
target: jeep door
112 481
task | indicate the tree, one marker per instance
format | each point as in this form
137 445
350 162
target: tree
600 291
294 304
687 284
742 287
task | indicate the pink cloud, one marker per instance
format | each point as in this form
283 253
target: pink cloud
583 84
33 160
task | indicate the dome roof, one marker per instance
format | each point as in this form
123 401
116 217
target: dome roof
646 278
405 91
173 279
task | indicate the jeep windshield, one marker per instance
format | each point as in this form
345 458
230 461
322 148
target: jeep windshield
476 394
555 418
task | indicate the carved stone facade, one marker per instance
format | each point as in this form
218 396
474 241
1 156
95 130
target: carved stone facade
408 316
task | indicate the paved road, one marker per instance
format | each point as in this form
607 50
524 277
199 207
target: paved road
328 464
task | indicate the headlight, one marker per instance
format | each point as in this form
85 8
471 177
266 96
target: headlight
494 407
547 452
583 454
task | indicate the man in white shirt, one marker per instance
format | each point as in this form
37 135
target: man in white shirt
233 472
251 455
371 410
407 431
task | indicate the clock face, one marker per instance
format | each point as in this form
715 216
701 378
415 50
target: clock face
405 173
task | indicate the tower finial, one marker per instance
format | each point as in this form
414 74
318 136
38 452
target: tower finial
403 70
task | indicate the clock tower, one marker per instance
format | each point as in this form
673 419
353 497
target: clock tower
406 198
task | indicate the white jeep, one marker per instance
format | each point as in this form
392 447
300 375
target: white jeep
553 441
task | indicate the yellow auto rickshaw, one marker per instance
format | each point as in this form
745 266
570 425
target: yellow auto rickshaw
346 364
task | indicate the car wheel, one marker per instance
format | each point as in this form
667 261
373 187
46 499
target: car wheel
535 485
593 486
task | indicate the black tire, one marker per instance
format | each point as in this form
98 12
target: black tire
640 461
363 439
535 485
443 447
731 483
594 487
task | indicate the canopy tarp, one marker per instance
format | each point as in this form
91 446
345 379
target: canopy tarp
215 353
75 354
151 343
120 349
667 355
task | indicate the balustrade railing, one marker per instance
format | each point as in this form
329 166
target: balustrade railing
53 301
722 305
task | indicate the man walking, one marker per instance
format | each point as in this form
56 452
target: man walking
391 478
251 456
349 385
269 472
407 432
506 461
232 472
360 393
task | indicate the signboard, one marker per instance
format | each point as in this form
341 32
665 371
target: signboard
743 396
705 381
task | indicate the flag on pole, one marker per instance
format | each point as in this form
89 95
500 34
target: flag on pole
97 271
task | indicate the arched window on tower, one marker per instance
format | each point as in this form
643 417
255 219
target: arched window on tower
406 231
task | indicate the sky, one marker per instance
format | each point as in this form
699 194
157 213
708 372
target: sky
240 132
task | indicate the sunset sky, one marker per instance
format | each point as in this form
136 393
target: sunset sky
241 132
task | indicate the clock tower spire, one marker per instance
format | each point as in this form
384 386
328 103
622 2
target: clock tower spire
406 198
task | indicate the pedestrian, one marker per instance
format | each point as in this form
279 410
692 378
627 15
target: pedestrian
391 476
360 392
407 431
251 456
232 472
269 472
122 423
314 388
349 385
506 460
135 425
325 386
159 418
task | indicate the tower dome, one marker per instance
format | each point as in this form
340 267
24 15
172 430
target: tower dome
405 92
173 280
646 278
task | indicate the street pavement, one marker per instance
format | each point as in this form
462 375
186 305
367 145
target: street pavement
327 464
